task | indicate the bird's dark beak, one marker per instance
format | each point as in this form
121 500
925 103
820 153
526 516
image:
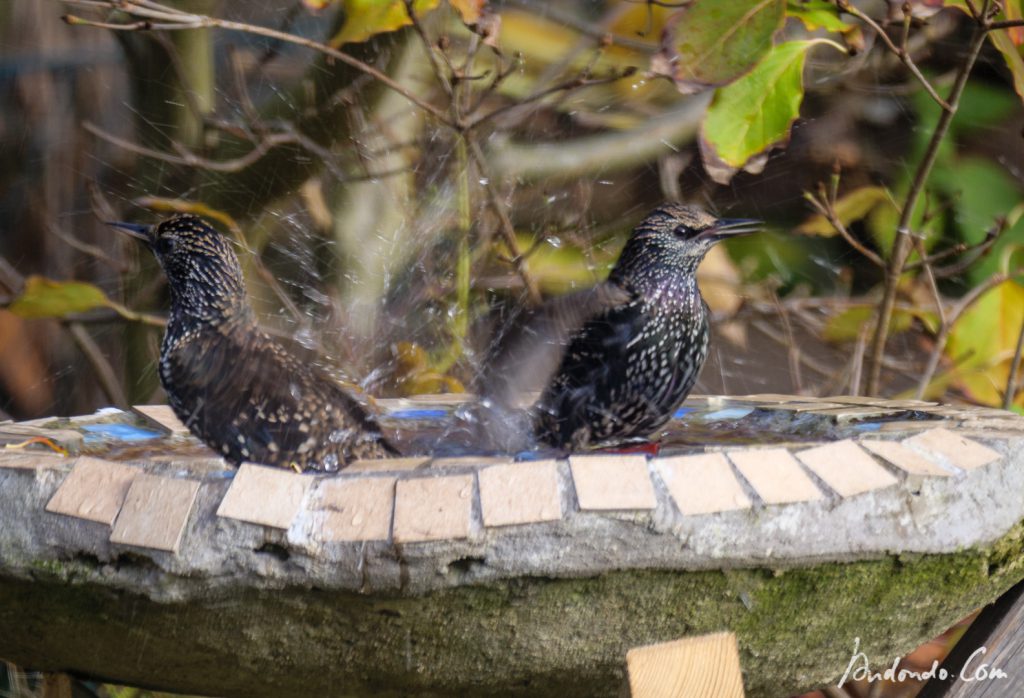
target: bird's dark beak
139 232
732 227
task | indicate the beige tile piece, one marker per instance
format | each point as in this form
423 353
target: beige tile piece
800 406
957 450
611 483
155 512
94 490
775 475
766 397
520 493
708 665
848 413
433 508
163 417
908 425
909 461
468 461
357 508
33 460
702 484
994 423
267 496
385 465
855 400
846 468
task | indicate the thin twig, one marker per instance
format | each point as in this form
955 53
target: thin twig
826 207
899 52
956 311
183 21
900 250
1011 382
508 231
101 367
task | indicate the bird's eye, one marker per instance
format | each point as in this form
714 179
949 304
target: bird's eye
165 245
682 231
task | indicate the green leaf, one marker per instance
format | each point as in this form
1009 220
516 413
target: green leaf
848 325
754 113
850 208
712 43
818 14
44 297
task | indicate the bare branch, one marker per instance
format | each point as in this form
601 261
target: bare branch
183 20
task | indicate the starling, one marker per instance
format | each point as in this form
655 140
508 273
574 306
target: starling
236 388
633 345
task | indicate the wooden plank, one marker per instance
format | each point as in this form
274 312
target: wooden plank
265 496
520 493
155 512
695 667
433 508
612 483
94 490
702 484
993 643
775 475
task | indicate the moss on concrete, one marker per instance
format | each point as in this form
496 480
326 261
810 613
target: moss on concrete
527 636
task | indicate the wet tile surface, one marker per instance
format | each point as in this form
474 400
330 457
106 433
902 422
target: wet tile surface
775 475
94 490
520 493
155 512
357 509
846 468
612 483
702 484
433 508
266 496
955 449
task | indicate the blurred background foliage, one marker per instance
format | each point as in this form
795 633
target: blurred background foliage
390 227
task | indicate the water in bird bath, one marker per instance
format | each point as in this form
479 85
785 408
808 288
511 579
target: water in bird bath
439 428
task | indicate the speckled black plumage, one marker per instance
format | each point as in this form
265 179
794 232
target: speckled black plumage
637 354
236 388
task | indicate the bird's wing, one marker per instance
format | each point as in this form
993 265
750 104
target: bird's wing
262 393
591 364
523 358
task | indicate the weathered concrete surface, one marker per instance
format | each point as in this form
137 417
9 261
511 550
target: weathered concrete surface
543 609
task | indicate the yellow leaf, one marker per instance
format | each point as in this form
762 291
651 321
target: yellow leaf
469 10
982 342
851 207
44 297
366 18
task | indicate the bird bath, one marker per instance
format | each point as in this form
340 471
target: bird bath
797 523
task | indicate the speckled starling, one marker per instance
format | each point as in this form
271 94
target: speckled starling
236 388
636 353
